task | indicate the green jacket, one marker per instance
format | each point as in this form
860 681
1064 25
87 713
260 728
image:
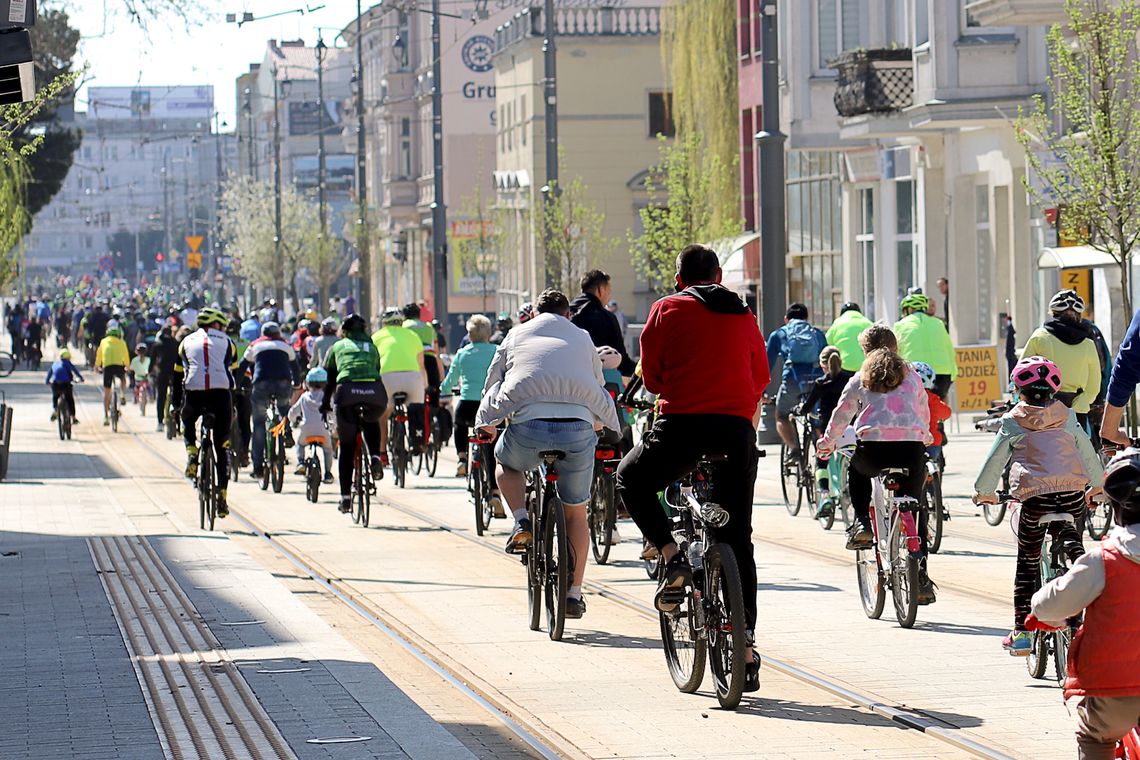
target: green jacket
923 338
353 359
844 334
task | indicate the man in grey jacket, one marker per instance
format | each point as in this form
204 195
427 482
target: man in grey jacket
546 379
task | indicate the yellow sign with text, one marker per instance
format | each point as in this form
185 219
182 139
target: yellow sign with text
193 261
1079 280
978 384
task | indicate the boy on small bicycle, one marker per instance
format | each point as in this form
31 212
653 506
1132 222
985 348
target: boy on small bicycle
1054 465
139 370
60 376
887 405
1104 662
309 422
824 393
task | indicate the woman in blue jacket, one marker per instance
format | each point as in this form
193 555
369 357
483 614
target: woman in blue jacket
469 371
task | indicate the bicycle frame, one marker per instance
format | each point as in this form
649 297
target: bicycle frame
886 507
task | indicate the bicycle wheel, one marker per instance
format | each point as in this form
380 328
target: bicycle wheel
904 575
266 460
312 479
7 364
142 402
932 498
475 487
1098 520
207 510
431 459
724 623
872 589
61 420
1062 640
602 516
557 580
789 480
277 464
806 493
535 561
400 456
685 646
994 513
418 462
1038 658
115 410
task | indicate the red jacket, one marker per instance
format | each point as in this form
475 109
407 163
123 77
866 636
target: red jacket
702 353
939 411
1104 660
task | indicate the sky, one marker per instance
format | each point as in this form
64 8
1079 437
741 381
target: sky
118 53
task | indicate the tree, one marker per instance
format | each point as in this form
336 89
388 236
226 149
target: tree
477 238
1086 148
679 213
570 229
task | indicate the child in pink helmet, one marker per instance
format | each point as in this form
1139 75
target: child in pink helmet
1053 468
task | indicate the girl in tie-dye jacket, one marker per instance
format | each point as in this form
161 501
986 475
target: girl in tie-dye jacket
886 403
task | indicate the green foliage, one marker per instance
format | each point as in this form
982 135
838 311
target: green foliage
699 46
570 229
1086 148
678 213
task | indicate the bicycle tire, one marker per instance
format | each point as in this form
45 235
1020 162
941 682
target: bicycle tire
680 634
786 475
431 459
312 479
932 495
265 461
1038 659
115 410
1098 520
7 364
1062 640
601 514
400 455
807 485
994 513
904 575
475 487
725 624
535 564
872 588
207 510
61 420
418 463
557 582
277 464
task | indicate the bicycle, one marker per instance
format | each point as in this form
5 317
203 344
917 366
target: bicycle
936 512
601 511
479 482
7 364
142 394
398 439
273 457
314 453
209 494
837 489
235 452
710 622
1052 644
428 457
1098 520
63 418
116 401
995 513
893 561
363 484
798 468
548 558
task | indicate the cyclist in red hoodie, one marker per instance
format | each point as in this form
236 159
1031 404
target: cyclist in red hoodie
703 355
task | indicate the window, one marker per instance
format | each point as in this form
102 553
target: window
906 248
837 29
814 231
921 22
402 41
744 25
405 148
661 114
985 257
865 248
969 21
522 120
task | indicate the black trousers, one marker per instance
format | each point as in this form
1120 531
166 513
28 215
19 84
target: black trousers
64 391
217 402
464 421
668 452
351 399
869 461
244 411
1031 536
162 383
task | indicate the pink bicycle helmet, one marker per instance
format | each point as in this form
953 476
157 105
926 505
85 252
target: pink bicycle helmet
1036 378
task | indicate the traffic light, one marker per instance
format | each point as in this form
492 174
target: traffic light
159 257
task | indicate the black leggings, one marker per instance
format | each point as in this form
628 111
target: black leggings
1030 537
162 382
464 421
356 402
218 403
872 458
63 390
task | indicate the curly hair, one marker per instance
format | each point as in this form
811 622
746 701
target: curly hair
883 371
831 361
878 336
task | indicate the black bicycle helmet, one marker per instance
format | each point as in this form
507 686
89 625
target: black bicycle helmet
850 306
353 323
1122 486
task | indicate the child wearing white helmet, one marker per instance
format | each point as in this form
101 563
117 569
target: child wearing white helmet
308 422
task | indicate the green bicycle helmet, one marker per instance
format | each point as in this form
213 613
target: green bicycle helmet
915 302
210 317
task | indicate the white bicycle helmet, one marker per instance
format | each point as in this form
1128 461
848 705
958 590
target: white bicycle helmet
1065 300
611 359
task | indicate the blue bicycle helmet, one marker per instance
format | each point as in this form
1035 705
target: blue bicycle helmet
926 372
317 375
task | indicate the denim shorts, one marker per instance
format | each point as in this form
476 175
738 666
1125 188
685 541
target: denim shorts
520 443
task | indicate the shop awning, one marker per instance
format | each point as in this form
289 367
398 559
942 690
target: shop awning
737 272
1074 257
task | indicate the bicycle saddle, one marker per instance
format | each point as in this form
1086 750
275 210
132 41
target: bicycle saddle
713 458
1056 517
399 398
552 455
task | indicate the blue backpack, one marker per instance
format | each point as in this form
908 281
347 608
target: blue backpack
801 346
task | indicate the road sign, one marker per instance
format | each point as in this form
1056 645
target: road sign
193 261
977 385
1079 280
195 242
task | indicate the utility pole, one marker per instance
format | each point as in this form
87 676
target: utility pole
278 264
550 98
252 142
438 209
321 138
364 261
216 268
773 235
165 204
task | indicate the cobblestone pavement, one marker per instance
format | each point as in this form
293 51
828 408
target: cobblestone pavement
604 691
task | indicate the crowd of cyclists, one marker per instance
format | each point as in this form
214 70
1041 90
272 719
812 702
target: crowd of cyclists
547 392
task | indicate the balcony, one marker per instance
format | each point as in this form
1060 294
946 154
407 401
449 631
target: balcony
873 81
581 22
1017 12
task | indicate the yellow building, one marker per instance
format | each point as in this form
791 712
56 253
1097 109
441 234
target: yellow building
611 105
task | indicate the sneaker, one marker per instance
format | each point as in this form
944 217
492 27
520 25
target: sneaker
158 427
497 506
671 590
1018 643
377 468
300 470
860 536
223 505
461 469
520 538
328 478
54 416
649 551
575 608
752 673
345 505
191 462
255 473
106 421
926 589
826 508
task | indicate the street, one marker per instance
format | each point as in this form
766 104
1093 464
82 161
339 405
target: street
834 684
